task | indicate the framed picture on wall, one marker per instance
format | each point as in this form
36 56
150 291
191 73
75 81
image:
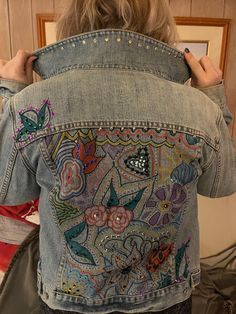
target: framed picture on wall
203 36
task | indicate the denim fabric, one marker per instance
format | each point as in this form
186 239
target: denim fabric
116 147
181 308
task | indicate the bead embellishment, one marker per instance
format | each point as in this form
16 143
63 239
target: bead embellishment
139 163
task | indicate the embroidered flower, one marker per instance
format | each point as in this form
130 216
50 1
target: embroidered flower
86 154
72 178
96 216
168 201
125 270
119 218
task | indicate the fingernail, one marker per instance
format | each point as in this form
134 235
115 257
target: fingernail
186 50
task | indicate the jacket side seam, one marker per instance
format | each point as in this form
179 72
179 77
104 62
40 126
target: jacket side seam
8 173
26 162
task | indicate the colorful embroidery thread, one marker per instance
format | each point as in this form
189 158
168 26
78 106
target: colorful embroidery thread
34 120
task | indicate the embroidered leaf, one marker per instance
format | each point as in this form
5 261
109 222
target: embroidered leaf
75 231
22 133
186 271
81 251
42 115
113 200
132 204
179 257
79 151
28 123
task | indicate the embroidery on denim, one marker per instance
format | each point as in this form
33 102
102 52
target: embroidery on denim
120 213
33 120
112 211
132 265
169 202
139 163
63 210
74 161
184 174
182 262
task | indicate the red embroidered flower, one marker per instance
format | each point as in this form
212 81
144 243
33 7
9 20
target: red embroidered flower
96 216
119 218
86 154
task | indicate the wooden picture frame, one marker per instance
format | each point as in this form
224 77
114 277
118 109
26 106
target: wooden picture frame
42 20
213 30
216 44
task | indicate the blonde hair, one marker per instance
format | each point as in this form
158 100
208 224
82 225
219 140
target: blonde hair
149 17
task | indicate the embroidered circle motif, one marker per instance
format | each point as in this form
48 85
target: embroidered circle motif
72 179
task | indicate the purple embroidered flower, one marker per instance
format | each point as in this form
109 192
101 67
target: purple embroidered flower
168 201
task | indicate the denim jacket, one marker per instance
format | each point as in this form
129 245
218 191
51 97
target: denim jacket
116 147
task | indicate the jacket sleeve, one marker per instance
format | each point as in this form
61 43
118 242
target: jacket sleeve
9 88
219 165
16 175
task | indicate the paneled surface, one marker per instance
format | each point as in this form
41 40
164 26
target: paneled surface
18 30
208 8
181 7
21 20
5 44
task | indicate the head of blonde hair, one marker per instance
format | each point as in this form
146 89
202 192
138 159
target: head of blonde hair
148 17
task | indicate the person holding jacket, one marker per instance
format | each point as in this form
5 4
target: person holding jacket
116 147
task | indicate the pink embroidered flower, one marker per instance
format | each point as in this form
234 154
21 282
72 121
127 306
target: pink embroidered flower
96 216
72 178
119 218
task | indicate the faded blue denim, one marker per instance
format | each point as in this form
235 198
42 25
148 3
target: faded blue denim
116 147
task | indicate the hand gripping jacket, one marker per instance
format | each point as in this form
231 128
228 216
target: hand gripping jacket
116 147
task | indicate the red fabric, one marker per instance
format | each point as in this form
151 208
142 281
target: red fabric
20 212
7 251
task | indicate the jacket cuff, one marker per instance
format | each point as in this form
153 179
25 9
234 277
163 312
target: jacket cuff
9 88
217 95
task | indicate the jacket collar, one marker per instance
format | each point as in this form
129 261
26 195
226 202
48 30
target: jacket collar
112 49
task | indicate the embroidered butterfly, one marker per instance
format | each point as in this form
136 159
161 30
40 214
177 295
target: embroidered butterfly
139 163
34 120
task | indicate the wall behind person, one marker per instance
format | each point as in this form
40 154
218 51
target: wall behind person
18 29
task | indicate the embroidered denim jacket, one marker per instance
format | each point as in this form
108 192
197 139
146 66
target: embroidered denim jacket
116 147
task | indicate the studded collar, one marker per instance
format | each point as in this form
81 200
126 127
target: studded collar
112 49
